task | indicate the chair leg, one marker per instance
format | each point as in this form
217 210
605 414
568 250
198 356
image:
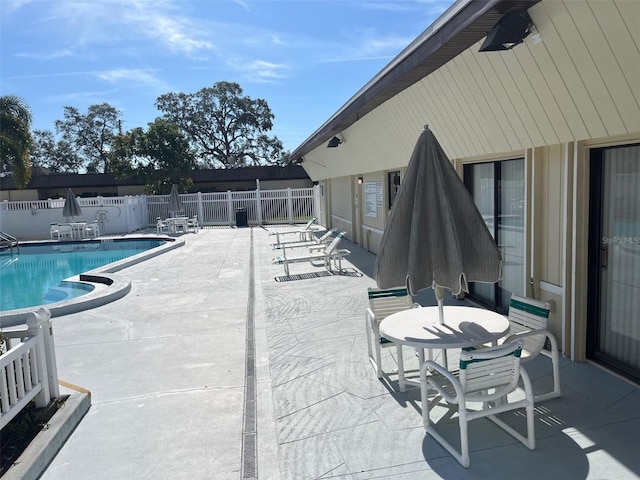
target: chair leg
555 366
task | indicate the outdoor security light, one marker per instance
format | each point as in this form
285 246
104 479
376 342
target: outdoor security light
511 30
335 141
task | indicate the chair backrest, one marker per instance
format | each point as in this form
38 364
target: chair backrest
525 315
490 368
329 249
384 302
326 235
307 226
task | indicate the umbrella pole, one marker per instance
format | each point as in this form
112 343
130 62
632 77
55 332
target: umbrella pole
439 291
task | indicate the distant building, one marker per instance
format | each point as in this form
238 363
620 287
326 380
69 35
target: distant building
45 184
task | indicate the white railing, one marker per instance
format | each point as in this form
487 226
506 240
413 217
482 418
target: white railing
117 215
290 205
28 370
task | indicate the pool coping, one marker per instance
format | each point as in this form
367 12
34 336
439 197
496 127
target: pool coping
107 287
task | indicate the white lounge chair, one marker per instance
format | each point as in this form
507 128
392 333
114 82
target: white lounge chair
382 303
304 233
486 376
321 255
323 240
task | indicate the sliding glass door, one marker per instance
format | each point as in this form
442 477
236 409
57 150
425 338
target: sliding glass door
613 335
498 189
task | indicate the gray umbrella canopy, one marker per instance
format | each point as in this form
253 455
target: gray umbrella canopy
175 204
71 206
435 236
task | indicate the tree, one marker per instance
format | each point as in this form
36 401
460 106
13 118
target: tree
91 134
161 156
15 138
224 127
56 155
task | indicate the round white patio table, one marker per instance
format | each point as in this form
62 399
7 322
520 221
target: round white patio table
421 328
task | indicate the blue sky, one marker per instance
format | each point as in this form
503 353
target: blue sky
306 58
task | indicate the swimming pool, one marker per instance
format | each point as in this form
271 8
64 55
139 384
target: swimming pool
35 276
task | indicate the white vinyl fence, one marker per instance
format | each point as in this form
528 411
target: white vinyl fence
291 205
28 369
117 215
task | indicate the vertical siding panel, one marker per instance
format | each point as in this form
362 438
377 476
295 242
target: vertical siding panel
441 99
630 15
570 67
456 99
494 129
473 100
554 220
577 40
543 106
440 122
514 104
621 76
568 88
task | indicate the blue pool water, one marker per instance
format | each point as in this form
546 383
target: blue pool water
34 275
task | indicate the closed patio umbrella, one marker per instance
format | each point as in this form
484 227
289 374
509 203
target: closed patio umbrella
175 204
435 236
71 206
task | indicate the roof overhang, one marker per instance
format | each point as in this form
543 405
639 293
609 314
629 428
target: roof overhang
462 25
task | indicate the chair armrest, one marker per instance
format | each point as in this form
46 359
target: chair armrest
531 333
443 372
370 314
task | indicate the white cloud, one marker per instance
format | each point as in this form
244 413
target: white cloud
259 70
132 78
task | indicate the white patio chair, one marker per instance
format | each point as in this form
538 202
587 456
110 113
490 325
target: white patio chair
92 230
485 377
161 226
65 231
54 231
528 320
192 224
382 303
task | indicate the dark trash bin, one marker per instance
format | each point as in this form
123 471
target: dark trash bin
241 217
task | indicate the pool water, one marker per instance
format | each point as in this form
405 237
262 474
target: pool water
35 275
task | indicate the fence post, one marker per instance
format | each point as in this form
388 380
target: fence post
200 210
230 208
289 205
49 351
258 205
35 320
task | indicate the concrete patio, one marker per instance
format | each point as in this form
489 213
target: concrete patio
216 367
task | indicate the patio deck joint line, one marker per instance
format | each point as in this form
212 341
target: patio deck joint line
249 431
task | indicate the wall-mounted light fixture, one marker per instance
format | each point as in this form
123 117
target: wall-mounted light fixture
360 180
511 30
335 141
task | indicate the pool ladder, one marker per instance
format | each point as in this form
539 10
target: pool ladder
9 242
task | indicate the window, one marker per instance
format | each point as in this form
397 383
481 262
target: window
498 190
393 185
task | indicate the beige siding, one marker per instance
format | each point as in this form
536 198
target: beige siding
341 197
552 219
580 81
